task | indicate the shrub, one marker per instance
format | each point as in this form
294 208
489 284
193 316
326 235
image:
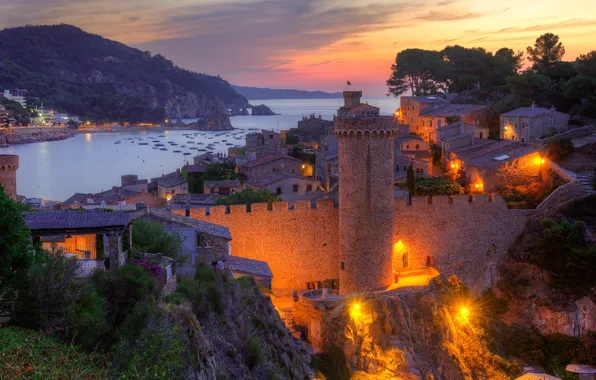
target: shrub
15 248
123 288
87 319
31 355
159 353
438 186
151 237
253 352
559 149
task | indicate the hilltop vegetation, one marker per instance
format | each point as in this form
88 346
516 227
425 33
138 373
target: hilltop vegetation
103 80
499 79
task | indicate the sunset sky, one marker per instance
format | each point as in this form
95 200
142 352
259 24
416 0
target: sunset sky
312 44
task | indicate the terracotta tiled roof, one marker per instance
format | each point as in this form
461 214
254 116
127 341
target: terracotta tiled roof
269 158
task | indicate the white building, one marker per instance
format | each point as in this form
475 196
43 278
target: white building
16 96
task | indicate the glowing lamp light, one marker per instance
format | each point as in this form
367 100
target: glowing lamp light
477 185
399 247
463 316
506 127
356 311
542 161
452 166
303 166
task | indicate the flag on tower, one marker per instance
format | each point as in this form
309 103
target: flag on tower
349 84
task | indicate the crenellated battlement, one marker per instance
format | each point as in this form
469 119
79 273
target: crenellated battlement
478 202
9 162
302 243
365 127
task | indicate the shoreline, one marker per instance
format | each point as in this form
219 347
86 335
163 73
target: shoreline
32 135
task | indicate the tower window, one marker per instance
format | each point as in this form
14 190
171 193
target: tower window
342 265
294 188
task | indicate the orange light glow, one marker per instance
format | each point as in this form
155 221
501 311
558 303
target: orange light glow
399 247
356 311
463 315
542 161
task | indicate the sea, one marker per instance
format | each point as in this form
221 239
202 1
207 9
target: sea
94 162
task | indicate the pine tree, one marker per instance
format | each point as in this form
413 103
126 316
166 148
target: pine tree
411 180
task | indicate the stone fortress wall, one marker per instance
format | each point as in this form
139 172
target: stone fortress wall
302 245
8 174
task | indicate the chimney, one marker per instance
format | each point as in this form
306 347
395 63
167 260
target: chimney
90 199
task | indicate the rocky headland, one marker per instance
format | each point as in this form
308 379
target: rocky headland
262 110
34 135
239 111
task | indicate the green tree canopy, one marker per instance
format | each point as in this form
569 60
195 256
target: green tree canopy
16 250
220 171
547 51
151 237
249 196
418 70
586 64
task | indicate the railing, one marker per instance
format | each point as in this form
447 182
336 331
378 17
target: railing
82 251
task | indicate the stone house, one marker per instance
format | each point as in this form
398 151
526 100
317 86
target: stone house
222 187
93 237
190 201
326 158
259 270
426 114
265 165
314 128
200 240
262 144
458 135
170 185
491 163
116 196
530 123
289 186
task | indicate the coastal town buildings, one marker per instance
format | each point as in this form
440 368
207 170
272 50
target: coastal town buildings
77 233
530 123
459 134
16 95
190 201
288 186
490 164
222 187
262 144
172 185
411 150
265 165
311 128
426 114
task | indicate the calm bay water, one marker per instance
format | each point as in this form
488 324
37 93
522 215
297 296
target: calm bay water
89 163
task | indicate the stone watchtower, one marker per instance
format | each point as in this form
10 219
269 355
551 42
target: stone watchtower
8 174
352 98
365 199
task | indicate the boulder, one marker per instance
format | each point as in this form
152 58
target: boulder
262 110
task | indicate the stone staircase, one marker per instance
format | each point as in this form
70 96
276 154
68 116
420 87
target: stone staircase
288 320
585 182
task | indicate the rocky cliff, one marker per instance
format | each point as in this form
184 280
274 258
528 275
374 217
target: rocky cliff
100 79
409 337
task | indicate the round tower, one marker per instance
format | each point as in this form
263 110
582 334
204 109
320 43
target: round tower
365 201
8 174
